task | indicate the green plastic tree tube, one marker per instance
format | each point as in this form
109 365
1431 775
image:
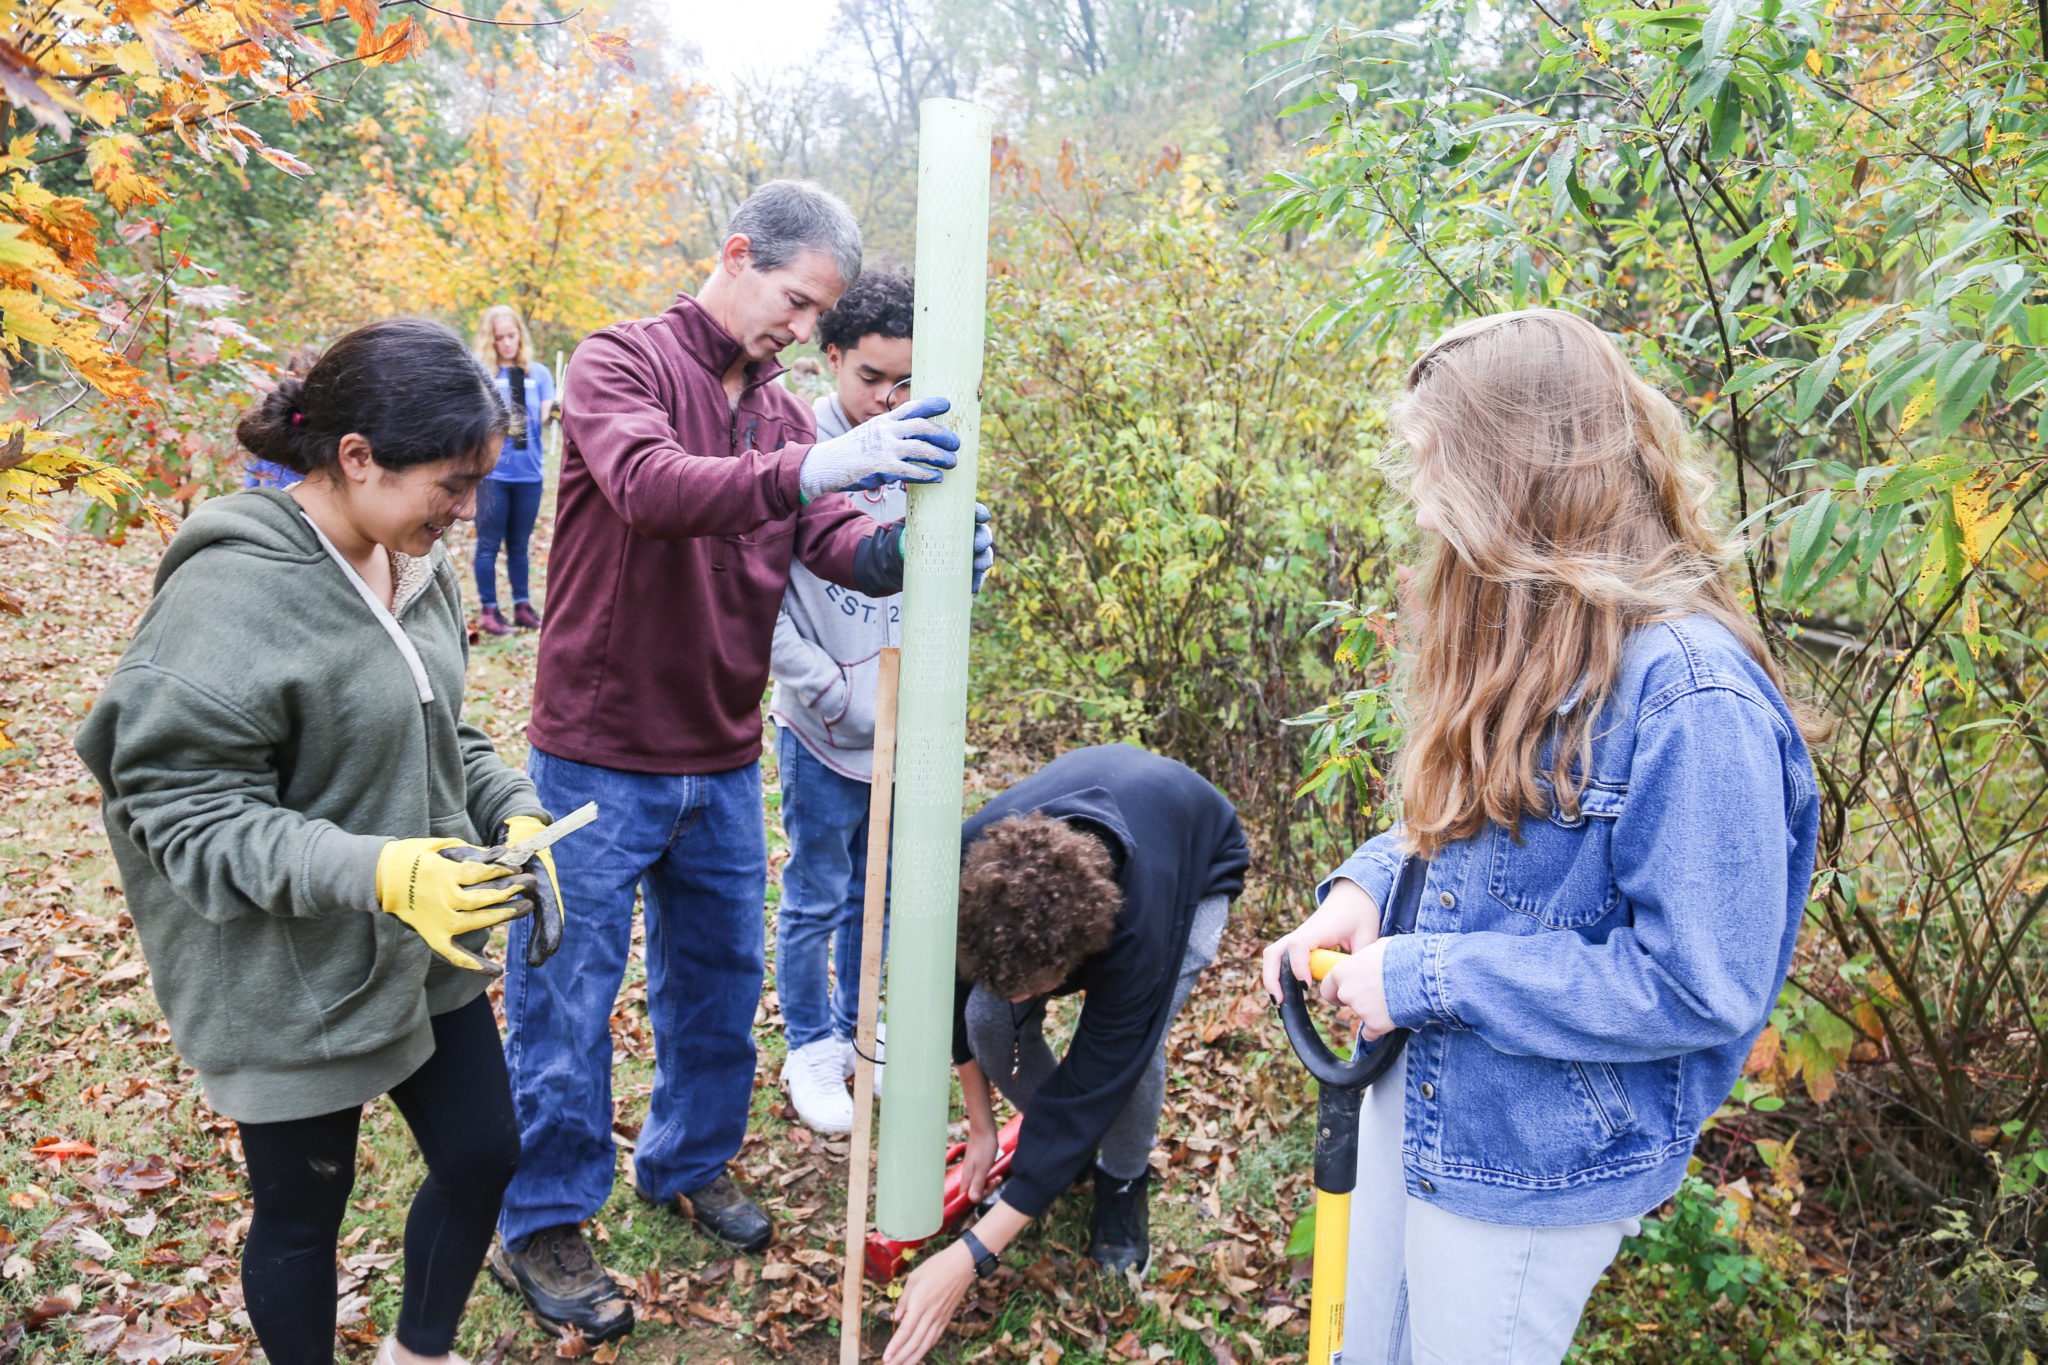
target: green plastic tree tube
931 735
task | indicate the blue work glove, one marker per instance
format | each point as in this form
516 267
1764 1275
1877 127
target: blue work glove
904 445
984 545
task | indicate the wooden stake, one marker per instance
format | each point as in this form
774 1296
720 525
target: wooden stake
554 438
879 807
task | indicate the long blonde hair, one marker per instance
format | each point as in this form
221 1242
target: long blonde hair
486 342
1570 513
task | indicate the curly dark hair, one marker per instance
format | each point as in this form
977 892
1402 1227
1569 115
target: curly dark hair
881 303
1037 898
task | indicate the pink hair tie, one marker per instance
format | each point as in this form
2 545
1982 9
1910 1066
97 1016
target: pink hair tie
298 419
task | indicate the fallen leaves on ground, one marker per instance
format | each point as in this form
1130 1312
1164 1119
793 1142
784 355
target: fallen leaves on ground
126 1205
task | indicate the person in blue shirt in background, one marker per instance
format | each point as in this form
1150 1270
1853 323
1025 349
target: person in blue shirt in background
508 503
298 361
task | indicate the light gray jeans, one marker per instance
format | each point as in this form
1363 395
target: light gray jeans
998 1031
1428 1287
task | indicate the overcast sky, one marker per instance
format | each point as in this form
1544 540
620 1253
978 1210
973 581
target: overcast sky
736 35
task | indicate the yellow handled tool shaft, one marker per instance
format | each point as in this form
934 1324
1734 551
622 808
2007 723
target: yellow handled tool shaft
1326 1286
1333 1208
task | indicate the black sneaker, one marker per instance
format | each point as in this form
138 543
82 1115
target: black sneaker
1119 1236
563 1284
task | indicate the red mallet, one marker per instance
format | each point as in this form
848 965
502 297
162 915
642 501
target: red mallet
886 1258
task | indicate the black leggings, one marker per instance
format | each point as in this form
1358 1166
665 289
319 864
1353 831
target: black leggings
459 1106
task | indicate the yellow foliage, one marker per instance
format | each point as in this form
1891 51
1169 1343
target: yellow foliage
115 162
131 70
1979 524
570 202
104 106
1916 406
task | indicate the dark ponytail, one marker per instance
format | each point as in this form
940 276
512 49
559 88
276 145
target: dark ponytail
406 385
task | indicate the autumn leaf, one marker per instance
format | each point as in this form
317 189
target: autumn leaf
63 1149
28 89
403 39
103 105
1980 525
115 162
1763 1053
284 160
611 48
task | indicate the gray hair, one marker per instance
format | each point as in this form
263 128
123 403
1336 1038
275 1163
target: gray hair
784 217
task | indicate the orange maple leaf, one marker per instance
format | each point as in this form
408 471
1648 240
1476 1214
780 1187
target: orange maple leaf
403 39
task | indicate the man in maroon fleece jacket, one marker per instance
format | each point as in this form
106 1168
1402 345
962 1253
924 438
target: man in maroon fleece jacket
686 492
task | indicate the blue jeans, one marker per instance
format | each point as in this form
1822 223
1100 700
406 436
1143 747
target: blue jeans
505 513
695 845
824 886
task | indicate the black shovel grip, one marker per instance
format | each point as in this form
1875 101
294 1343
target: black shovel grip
1365 1065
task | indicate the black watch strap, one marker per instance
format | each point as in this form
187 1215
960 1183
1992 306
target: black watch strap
984 1259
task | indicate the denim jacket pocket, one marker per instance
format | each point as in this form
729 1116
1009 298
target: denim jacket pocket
1603 1086
1557 871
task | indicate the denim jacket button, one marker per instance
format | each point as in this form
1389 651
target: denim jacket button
1428 1091
1446 900
1427 1188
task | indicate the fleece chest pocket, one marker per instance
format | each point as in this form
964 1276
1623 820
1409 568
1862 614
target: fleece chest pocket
1558 871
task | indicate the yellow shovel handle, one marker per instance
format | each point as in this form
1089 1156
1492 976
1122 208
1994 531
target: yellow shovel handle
1333 1237
1326 1288
1323 961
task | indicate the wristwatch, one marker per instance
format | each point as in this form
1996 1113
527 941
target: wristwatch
984 1259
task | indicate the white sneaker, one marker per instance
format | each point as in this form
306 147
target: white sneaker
817 1086
387 1356
850 1055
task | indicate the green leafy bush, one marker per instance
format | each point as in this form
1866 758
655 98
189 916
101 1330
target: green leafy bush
1698 1285
1820 228
1181 480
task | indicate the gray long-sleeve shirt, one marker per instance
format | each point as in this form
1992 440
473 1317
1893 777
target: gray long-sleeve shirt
829 641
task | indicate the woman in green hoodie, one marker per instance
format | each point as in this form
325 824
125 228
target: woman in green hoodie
288 786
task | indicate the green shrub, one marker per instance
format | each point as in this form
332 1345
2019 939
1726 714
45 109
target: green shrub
1697 1285
1180 480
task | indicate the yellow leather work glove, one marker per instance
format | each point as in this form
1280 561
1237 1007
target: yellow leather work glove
550 918
440 897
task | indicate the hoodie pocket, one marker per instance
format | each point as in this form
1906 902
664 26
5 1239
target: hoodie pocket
365 986
854 727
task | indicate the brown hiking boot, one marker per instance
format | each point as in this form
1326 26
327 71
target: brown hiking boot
563 1284
490 623
722 1209
524 616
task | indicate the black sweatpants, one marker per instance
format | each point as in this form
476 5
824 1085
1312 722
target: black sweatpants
459 1106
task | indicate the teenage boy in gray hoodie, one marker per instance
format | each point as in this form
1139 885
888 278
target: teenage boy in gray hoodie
828 644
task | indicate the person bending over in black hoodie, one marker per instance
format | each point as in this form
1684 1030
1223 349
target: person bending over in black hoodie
1109 873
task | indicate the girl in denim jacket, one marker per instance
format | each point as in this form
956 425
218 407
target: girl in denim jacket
1612 812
